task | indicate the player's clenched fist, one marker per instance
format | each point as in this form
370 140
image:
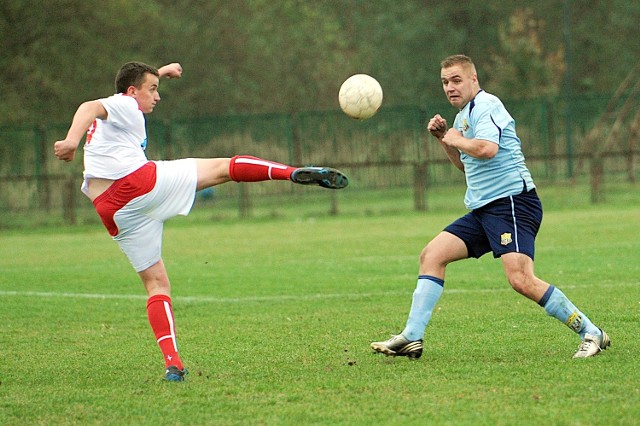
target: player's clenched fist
65 150
437 126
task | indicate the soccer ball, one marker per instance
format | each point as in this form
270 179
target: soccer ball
360 96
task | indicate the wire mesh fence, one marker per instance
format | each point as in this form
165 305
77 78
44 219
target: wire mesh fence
391 150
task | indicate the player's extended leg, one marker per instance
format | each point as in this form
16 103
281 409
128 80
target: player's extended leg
442 250
519 270
245 168
160 314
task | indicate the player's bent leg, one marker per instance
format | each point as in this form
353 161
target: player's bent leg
442 250
518 268
520 273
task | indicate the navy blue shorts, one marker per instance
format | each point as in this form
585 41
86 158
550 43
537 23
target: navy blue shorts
506 225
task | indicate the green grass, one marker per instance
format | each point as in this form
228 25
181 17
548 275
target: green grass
275 316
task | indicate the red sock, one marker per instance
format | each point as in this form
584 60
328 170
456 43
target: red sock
245 168
161 319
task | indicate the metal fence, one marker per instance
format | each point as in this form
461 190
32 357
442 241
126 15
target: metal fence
393 149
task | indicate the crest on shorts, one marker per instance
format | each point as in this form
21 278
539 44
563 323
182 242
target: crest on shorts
505 238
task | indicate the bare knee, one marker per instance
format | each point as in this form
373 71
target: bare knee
519 282
528 285
442 250
429 256
433 261
520 273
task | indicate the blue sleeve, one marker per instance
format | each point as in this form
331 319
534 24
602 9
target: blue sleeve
487 122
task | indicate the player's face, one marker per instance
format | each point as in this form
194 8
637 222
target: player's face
147 94
460 84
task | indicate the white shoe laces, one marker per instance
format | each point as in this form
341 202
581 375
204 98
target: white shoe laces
586 345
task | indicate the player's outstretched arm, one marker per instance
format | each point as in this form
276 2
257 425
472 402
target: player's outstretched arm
84 117
173 70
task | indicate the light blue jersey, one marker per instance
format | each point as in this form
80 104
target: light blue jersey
485 117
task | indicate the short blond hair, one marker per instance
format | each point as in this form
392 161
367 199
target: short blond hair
463 60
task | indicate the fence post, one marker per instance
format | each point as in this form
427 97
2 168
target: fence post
333 210
69 202
549 132
419 186
597 169
244 202
633 137
631 175
295 145
167 136
42 171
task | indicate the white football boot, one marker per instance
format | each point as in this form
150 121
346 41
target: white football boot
593 345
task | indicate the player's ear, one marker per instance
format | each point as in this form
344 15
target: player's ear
131 90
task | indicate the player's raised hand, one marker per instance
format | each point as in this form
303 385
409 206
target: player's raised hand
173 70
437 126
65 150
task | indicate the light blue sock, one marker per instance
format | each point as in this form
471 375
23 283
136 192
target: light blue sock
426 295
558 306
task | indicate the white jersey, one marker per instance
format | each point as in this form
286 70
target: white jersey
115 147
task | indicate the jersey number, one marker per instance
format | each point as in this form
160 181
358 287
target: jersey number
92 130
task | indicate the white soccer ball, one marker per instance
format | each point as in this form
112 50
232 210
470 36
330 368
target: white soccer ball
360 96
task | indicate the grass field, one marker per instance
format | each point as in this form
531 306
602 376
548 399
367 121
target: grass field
275 316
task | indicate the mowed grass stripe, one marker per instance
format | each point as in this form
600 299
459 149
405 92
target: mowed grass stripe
283 297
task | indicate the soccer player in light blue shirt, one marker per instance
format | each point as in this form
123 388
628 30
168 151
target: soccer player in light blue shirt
504 218
485 118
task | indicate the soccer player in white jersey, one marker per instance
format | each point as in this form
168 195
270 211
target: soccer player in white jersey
504 218
134 196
